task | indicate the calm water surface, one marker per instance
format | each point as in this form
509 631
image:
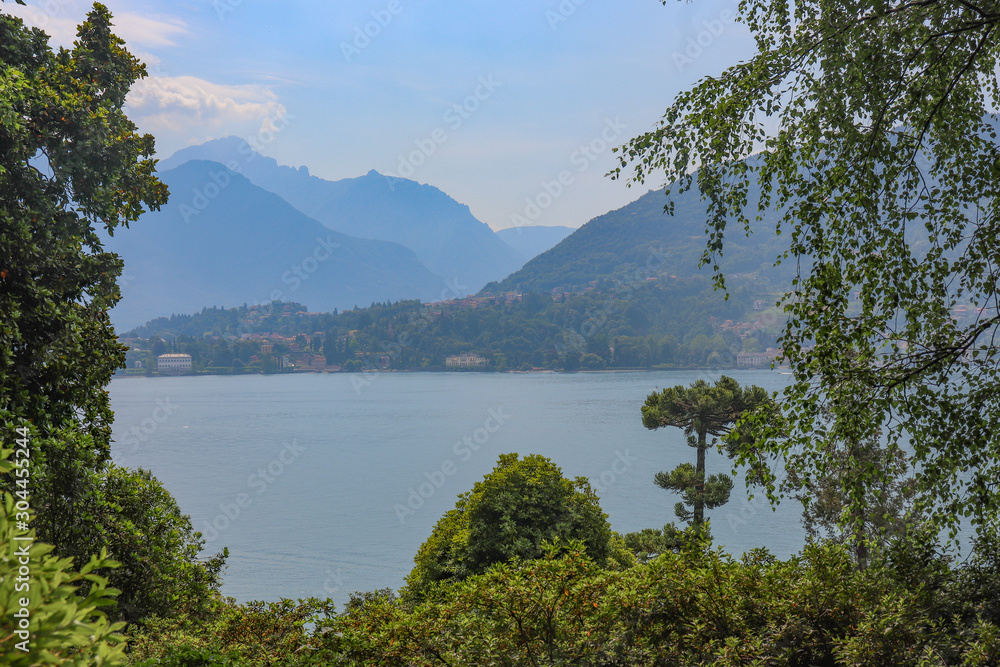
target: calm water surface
324 484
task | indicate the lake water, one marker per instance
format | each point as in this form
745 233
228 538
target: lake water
323 484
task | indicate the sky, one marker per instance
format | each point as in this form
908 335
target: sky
511 108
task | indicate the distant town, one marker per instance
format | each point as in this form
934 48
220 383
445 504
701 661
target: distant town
284 349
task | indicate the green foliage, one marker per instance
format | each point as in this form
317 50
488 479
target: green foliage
697 490
157 549
514 512
71 160
649 543
189 656
686 608
878 152
255 634
701 410
633 243
828 511
65 628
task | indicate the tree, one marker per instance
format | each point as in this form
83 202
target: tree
872 144
159 573
701 410
512 513
649 543
886 514
70 161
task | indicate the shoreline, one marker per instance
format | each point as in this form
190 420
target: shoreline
427 370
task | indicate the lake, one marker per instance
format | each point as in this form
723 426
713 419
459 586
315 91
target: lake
324 484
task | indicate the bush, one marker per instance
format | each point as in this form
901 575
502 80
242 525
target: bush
146 532
255 634
691 607
512 513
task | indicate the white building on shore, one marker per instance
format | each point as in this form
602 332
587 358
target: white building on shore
173 363
467 360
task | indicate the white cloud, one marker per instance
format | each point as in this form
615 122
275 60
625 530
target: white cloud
60 19
55 17
148 32
193 106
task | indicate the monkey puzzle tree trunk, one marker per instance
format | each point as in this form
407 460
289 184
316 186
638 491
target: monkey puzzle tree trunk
699 505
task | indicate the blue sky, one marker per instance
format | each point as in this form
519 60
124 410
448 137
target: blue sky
490 102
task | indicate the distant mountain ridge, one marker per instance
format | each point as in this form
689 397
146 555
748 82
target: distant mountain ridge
221 240
641 236
443 233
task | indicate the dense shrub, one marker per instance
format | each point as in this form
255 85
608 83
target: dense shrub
512 513
693 607
255 634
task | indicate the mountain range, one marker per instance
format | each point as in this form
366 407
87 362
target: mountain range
221 240
443 233
240 228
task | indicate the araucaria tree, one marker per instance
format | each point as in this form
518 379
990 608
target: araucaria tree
874 145
702 410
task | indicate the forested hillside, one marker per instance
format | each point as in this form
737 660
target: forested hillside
640 237
666 322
